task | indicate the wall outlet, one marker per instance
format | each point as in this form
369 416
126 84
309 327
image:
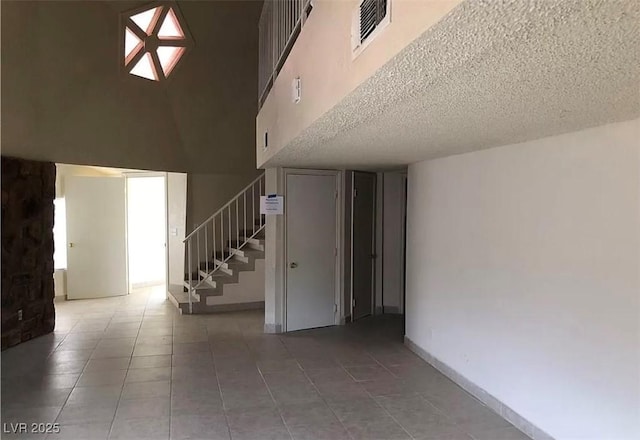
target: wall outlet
20 315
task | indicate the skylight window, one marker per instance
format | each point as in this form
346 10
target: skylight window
146 20
155 39
144 68
171 27
132 43
169 56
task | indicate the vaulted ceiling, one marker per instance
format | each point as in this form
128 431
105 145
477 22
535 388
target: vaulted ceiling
65 99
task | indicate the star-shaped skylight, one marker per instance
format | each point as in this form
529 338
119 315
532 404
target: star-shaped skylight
154 42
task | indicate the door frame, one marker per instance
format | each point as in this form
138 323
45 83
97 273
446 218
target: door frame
403 279
373 241
339 285
133 174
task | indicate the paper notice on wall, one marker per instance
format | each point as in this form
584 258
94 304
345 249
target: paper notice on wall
272 205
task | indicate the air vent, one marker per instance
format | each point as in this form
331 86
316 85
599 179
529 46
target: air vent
370 17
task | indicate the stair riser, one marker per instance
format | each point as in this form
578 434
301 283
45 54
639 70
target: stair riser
242 260
222 308
249 252
236 264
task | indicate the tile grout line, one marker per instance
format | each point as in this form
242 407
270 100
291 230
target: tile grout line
271 394
113 421
327 403
378 403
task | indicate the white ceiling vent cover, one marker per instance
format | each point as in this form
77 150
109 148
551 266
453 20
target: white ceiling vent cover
369 18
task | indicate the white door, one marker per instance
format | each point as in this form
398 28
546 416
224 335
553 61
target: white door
96 236
311 251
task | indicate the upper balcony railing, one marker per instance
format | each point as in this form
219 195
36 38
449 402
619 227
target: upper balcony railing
280 24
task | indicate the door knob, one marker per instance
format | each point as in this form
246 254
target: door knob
293 265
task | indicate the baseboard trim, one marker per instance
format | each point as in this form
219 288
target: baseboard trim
392 310
235 307
479 393
272 328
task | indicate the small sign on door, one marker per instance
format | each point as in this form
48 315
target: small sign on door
272 205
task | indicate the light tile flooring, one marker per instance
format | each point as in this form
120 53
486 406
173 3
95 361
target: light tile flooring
133 368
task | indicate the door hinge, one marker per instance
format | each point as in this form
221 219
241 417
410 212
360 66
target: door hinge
335 252
335 308
355 193
353 303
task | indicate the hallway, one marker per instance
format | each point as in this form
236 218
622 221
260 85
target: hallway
133 368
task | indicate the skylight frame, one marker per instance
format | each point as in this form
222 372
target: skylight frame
151 42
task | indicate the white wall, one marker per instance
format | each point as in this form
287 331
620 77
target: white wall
523 275
393 242
250 288
176 223
274 264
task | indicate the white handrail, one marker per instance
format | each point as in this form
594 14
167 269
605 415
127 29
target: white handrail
257 179
224 241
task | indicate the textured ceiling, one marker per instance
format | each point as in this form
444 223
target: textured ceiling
490 73
64 98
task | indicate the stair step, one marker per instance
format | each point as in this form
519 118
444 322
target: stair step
224 268
207 288
237 264
232 264
256 239
248 252
219 279
180 298
222 255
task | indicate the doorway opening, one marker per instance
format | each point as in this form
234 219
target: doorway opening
111 231
146 230
377 240
363 244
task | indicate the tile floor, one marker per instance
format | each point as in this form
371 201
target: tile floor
133 368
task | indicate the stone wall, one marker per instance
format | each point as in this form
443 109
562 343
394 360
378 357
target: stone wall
28 191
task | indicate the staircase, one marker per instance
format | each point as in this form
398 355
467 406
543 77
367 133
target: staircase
217 251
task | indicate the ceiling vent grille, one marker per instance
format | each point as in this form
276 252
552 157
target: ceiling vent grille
369 19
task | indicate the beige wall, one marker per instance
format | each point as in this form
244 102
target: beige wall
522 276
209 192
249 288
322 58
65 100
